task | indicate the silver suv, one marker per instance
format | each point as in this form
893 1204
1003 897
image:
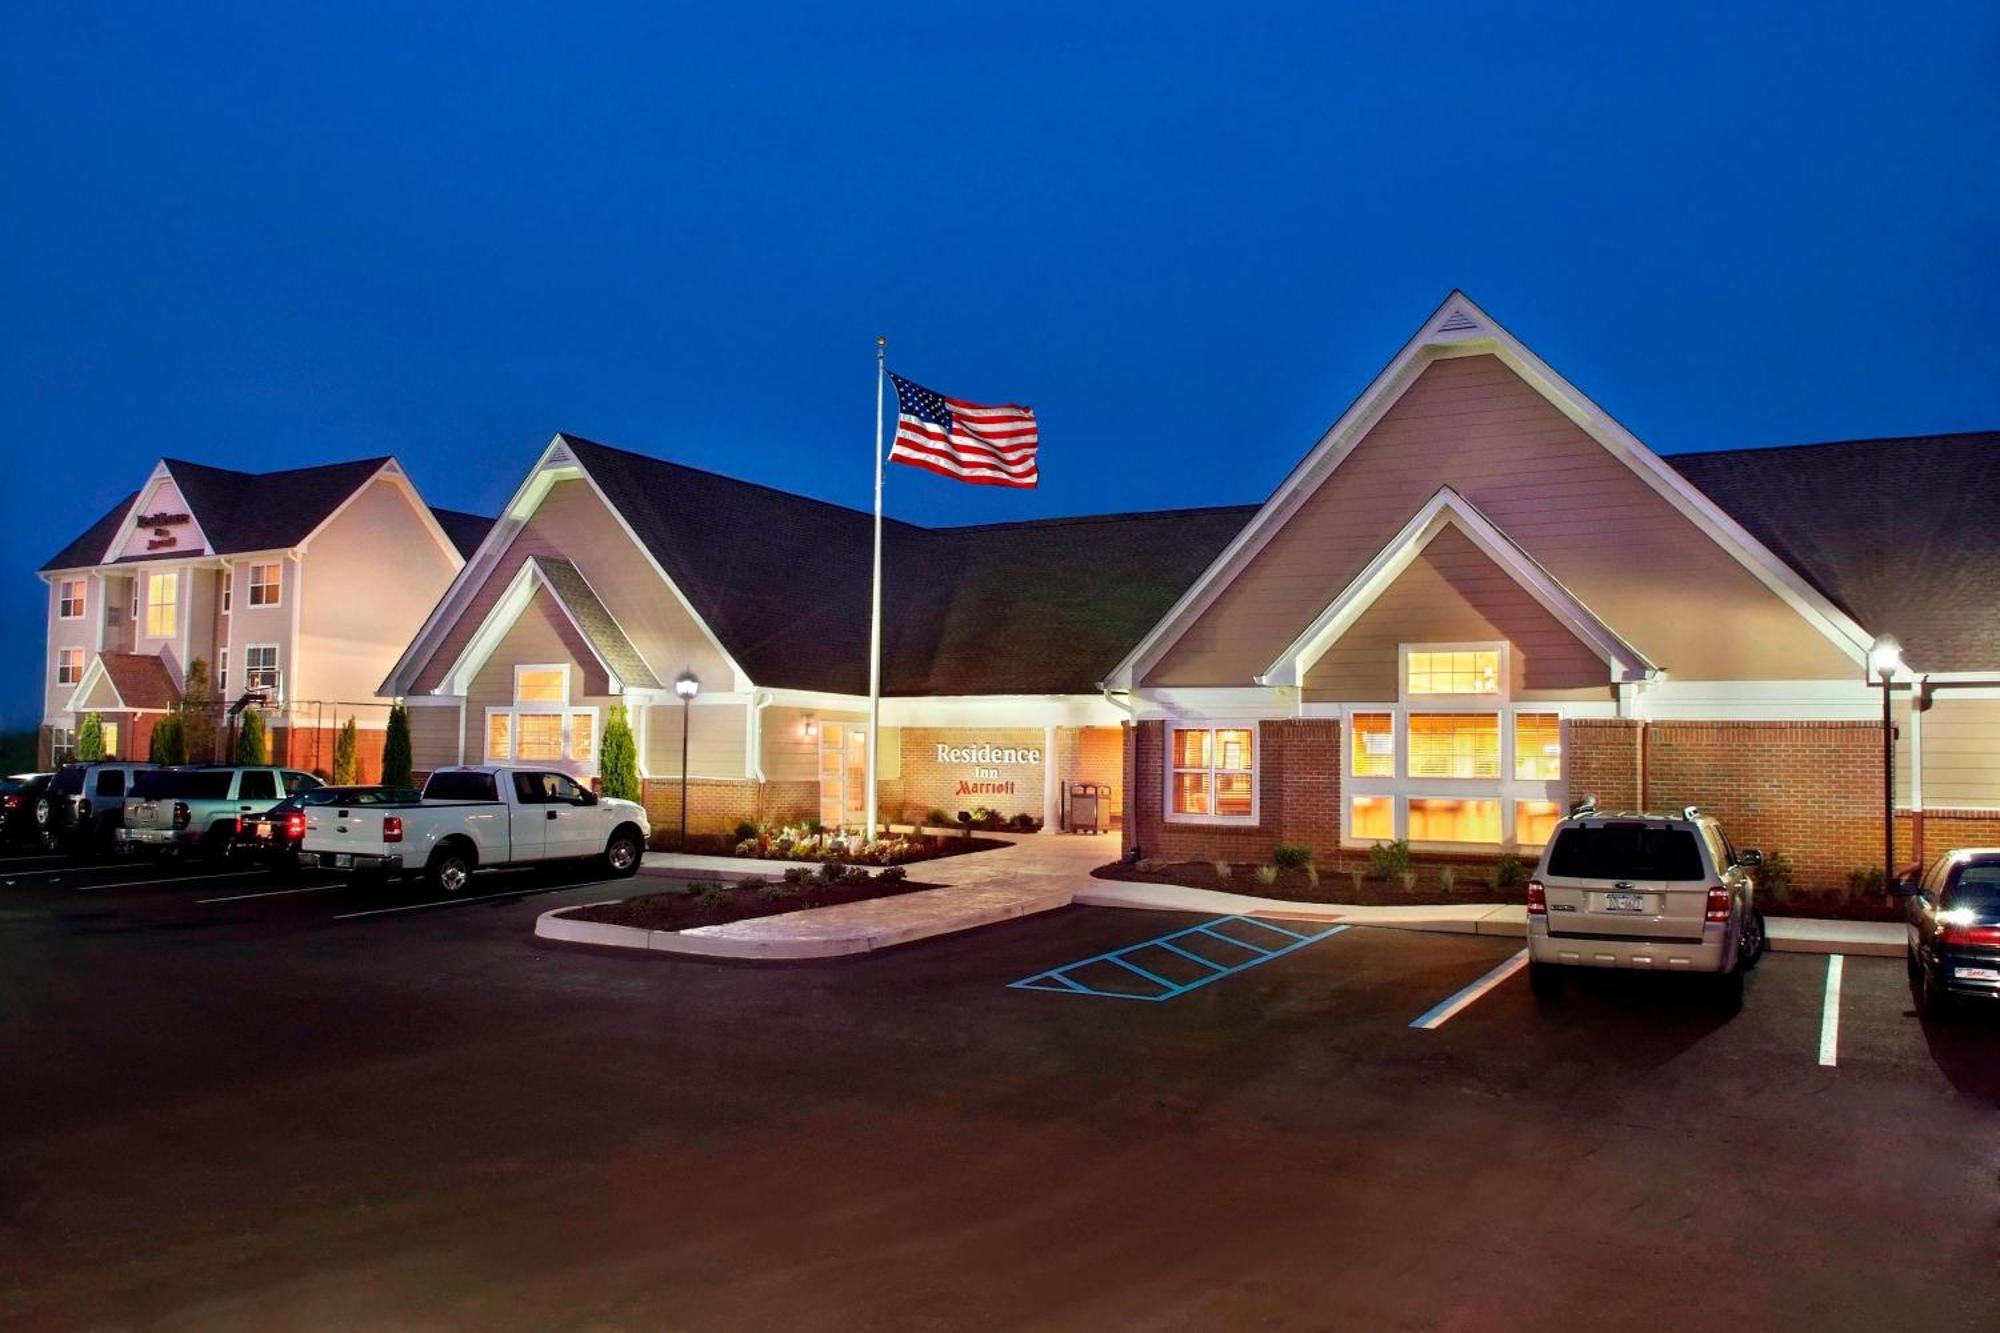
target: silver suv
197 809
1666 893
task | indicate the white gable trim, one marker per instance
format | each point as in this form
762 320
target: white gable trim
392 472
1445 509
1458 327
520 594
93 674
140 502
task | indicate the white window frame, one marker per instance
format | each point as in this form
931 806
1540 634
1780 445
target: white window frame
1503 684
1255 727
80 602
541 705
277 686
568 713
173 580
222 673
228 589
62 658
277 584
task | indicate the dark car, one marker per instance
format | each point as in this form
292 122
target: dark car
21 797
86 807
1954 918
272 838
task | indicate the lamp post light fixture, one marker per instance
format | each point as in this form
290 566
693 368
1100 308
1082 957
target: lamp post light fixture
687 685
1885 659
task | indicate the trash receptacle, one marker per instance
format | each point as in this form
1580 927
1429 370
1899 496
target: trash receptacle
1089 804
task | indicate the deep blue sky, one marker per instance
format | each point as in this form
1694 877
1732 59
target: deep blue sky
268 235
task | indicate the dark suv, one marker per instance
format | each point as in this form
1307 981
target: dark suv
86 807
1954 918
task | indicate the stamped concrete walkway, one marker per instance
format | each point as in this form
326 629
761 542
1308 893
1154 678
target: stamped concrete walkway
1039 872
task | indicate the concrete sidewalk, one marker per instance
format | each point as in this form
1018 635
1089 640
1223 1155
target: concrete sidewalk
1040 872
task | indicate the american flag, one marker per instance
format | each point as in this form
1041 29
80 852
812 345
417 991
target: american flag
988 446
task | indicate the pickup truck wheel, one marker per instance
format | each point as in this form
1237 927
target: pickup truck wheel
621 855
449 871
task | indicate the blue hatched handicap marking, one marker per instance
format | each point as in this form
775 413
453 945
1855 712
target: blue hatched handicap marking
1155 987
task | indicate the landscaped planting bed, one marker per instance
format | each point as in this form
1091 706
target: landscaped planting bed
802 845
1426 885
714 902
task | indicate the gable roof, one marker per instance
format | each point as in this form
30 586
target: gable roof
465 530
1901 533
139 681
89 546
594 621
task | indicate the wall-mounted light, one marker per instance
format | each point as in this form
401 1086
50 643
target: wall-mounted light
811 726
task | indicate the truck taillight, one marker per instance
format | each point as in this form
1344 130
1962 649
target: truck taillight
1718 905
392 828
1538 899
182 815
295 825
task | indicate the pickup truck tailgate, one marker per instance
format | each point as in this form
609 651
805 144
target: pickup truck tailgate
336 830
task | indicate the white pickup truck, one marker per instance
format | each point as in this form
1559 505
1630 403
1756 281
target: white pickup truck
474 819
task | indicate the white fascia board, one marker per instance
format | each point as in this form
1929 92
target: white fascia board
1000 710
1449 508
91 675
1458 327
1189 703
507 609
1671 700
160 472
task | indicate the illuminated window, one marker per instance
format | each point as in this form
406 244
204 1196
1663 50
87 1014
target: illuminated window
1534 821
264 585
69 666
260 668
69 599
1373 750
1470 671
1448 819
1454 745
1213 772
541 737
541 684
1372 819
163 596
499 737
582 736
1537 747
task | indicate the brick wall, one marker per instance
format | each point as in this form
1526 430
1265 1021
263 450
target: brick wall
1298 774
716 805
1943 829
927 782
1603 756
312 748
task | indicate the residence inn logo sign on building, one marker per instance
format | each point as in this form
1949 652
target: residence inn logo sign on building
986 759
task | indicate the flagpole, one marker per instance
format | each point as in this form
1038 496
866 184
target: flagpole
875 597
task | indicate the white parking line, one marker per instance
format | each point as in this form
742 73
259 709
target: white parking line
1439 1015
1829 1020
453 902
17 860
172 879
271 893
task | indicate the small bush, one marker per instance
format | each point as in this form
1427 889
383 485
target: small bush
1267 875
1389 860
1447 877
747 830
796 875
709 893
854 874
777 892
1858 881
830 871
1291 856
1509 872
1223 870
892 874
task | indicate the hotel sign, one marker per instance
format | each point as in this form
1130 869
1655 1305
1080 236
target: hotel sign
987 759
162 525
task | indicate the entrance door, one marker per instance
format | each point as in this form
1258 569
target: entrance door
843 774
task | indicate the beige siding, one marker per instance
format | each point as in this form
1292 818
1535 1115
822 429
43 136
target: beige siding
1620 547
163 497
370 578
204 597
1961 753
716 740
792 756
250 625
541 635
434 738
1452 593
68 634
573 524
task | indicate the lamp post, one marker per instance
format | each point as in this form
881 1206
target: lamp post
687 685
1885 659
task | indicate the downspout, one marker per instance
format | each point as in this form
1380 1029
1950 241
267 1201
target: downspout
760 700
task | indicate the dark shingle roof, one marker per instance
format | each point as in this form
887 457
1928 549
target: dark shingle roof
1041 607
465 530
597 623
1902 534
90 545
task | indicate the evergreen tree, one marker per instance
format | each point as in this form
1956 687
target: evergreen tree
90 740
197 713
618 760
396 769
345 761
251 746
169 743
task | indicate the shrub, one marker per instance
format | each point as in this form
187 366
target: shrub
854 874
1447 878
1858 881
1408 879
797 875
776 891
251 746
937 818
747 830
830 871
709 893
1509 873
396 763
1267 875
1387 860
197 713
1291 856
1775 875
1223 870
618 757
90 740
346 759
893 873
1026 823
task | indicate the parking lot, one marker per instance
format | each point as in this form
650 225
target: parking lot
235 1102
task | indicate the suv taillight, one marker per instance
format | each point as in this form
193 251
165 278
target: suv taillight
392 828
1538 899
182 815
295 825
1718 905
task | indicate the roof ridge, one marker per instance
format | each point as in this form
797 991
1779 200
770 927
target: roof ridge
1941 436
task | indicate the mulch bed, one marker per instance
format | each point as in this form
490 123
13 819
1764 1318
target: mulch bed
933 847
1341 887
676 909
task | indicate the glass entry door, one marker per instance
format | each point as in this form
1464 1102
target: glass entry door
843 774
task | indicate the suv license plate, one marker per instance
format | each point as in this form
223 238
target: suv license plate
1624 902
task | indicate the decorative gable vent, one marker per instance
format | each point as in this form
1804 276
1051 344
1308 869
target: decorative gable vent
1457 322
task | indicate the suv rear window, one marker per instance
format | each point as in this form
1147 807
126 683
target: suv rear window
1978 888
69 782
188 784
461 787
1626 851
